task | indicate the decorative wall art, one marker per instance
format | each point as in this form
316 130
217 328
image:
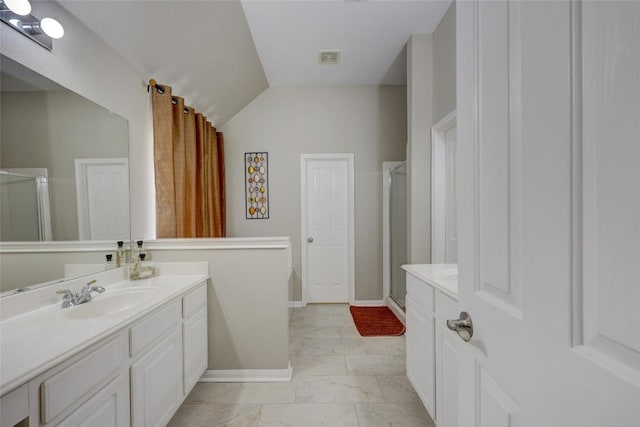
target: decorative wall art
256 181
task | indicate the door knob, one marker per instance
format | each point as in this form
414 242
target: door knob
463 326
310 240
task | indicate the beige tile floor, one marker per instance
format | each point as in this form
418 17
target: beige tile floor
339 379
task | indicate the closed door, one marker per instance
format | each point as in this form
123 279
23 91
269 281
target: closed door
327 230
548 183
102 187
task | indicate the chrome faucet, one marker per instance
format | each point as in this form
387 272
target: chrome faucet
69 299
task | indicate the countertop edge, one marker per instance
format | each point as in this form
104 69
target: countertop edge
442 289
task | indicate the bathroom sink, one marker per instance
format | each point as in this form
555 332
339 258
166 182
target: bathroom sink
112 302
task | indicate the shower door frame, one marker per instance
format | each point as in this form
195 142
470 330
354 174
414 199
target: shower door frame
387 167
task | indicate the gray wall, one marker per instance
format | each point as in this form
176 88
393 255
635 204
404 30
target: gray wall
247 307
444 65
50 130
288 121
419 113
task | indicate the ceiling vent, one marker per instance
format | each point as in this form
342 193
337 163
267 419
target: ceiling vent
329 57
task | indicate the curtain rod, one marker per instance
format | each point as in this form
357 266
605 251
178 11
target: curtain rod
161 90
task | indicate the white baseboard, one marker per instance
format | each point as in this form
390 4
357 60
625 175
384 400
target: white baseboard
395 309
296 304
370 303
248 375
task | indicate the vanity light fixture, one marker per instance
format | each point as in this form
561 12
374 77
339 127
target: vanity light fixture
17 14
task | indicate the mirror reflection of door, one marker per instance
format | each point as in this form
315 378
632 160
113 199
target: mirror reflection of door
103 198
444 216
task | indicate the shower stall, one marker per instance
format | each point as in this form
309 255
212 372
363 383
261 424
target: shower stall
24 205
397 235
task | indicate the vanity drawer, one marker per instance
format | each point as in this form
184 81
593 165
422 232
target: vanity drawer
420 291
194 300
14 406
154 326
73 384
446 308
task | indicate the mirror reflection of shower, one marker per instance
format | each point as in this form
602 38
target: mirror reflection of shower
398 232
24 205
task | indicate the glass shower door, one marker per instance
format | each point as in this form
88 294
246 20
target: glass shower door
398 232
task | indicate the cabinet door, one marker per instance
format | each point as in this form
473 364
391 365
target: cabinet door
156 383
194 335
446 375
109 407
420 352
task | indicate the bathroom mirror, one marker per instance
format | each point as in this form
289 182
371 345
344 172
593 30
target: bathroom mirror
64 186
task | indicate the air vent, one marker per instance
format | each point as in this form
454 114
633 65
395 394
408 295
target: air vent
329 57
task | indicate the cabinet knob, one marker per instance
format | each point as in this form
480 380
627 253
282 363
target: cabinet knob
310 240
463 326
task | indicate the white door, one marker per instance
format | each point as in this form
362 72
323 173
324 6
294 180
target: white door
444 236
327 227
102 187
549 207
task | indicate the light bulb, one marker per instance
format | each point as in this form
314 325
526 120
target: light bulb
52 28
19 7
16 22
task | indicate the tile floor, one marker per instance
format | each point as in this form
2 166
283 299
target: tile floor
339 379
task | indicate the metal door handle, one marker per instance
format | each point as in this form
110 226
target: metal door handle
310 240
463 326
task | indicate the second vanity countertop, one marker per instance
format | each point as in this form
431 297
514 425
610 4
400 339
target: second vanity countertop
38 339
443 277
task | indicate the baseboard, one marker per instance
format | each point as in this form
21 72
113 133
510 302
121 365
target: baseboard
370 303
296 304
248 375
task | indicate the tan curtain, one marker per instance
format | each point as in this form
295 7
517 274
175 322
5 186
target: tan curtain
189 170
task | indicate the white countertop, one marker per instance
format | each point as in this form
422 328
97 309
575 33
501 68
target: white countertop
34 341
443 277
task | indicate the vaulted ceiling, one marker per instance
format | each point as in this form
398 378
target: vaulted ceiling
220 55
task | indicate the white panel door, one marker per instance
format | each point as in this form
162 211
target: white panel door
326 232
102 187
549 242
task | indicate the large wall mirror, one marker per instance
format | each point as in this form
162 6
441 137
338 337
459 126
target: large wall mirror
64 180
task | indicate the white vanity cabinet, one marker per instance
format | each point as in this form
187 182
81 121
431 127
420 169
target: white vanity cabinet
194 336
420 339
156 383
432 349
137 376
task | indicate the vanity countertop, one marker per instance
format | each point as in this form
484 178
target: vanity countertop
34 341
443 277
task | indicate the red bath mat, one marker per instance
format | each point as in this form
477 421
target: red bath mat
376 321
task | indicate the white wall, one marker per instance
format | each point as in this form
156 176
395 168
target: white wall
419 121
287 121
83 63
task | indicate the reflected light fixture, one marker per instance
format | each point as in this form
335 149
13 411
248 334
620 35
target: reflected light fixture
16 14
19 7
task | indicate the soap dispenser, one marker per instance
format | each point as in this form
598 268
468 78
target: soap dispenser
120 255
141 251
110 263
